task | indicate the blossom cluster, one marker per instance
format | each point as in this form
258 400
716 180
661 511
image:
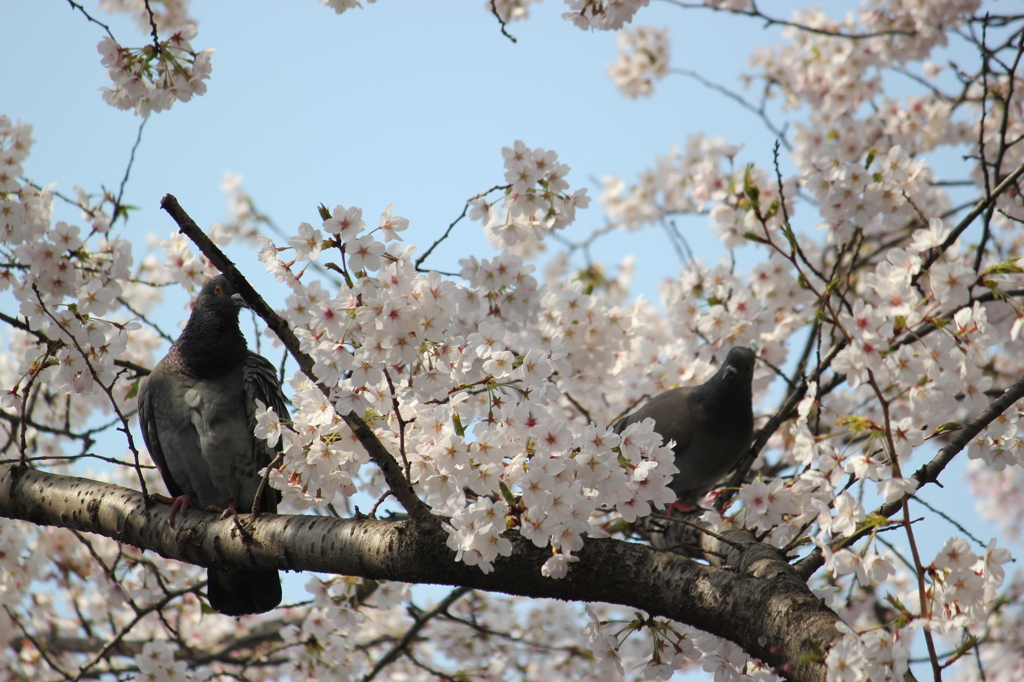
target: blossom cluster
602 15
496 393
536 202
919 339
456 385
151 78
643 58
67 293
962 587
165 14
684 181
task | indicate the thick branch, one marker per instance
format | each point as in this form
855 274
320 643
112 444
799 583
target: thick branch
396 480
764 607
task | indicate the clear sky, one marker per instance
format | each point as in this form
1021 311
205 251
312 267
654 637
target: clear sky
405 102
401 102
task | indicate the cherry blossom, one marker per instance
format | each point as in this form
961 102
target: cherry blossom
883 326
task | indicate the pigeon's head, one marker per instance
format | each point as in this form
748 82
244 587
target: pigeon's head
738 368
219 296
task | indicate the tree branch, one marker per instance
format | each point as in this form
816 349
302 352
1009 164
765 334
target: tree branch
764 606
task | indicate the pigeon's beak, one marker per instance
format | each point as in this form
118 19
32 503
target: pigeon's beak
239 301
729 370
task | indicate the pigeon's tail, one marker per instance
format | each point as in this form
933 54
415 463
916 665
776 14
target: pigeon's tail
241 592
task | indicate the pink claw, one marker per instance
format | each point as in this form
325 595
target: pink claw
682 507
224 513
182 502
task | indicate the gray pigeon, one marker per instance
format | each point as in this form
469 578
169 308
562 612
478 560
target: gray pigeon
712 425
198 412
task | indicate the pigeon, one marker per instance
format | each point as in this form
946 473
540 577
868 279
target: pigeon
197 410
712 426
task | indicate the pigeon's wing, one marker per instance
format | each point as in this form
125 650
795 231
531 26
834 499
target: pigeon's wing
671 414
260 382
237 592
149 397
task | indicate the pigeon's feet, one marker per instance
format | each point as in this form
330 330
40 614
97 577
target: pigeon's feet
224 513
681 507
180 503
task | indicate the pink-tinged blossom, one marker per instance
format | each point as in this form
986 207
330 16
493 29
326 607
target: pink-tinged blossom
557 566
307 243
766 503
956 555
950 283
846 660
604 645
391 226
364 253
96 297
268 425
931 237
848 514
346 223
893 489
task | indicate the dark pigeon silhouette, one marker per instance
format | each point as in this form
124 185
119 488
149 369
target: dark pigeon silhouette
712 425
198 411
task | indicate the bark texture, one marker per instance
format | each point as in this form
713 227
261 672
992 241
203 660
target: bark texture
762 604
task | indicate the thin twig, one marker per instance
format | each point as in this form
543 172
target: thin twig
418 624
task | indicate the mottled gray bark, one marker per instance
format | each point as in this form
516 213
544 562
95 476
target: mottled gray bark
763 605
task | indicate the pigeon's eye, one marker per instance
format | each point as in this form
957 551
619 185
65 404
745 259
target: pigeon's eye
217 290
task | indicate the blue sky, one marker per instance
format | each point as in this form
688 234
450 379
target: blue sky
401 102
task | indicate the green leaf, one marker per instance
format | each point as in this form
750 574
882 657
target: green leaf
875 521
787 232
509 498
896 603
857 424
324 213
750 190
134 390
1006 267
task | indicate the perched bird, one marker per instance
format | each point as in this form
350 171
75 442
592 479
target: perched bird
712 425
198 411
